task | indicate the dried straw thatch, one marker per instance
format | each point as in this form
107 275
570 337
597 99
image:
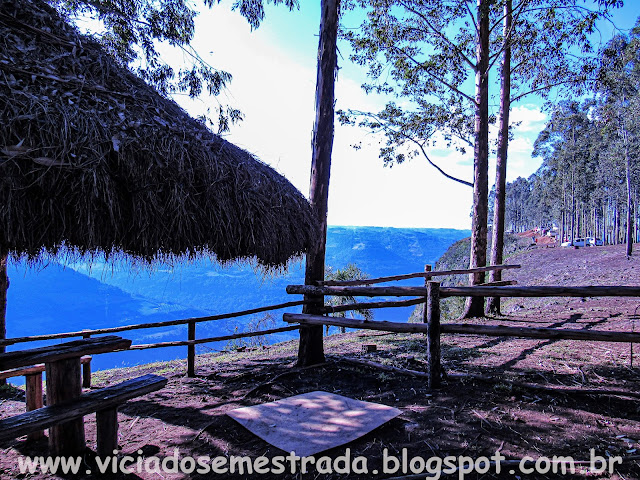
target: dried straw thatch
93 158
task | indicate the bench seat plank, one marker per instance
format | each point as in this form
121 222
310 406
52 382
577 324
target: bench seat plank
103 399
33 369
53 353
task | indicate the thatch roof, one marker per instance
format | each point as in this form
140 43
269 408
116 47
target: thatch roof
93 158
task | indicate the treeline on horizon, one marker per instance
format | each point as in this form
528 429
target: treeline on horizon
587 184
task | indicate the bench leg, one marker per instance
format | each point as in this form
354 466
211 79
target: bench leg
34 399
63 385
86 374
107 432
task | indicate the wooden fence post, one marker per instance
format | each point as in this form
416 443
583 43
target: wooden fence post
86 369
34 399
432 319
427 269
191 351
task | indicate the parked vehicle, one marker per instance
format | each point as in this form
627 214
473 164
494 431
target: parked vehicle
583 242
578 242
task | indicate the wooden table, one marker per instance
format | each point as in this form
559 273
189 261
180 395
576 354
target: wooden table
64 382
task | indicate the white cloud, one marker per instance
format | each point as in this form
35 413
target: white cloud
275 89
530 116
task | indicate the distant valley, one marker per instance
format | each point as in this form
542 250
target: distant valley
80 296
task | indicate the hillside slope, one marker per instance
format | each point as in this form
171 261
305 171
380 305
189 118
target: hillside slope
606 265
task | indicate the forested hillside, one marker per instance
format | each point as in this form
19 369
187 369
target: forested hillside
588 182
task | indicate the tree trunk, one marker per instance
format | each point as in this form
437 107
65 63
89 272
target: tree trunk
563 212
4 286
475 305
311 350
604 223
616 225
629 199
573 199
497 244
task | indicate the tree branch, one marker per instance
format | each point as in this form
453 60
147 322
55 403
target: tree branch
400 133
515 16
507 39
545 87
442 36
450 177
473 18
433 76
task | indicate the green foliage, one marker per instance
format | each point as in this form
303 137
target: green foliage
424 54
408 57
588 179
349 272
133 31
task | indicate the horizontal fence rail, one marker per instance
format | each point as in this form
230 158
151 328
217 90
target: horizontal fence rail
141 326
472 291
425 275
191 334
541 332
397 327
182 343
541 291
467 329
361 305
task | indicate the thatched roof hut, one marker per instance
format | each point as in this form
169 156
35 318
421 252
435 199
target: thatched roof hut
93 158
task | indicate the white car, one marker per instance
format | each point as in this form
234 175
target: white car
594 242
578 242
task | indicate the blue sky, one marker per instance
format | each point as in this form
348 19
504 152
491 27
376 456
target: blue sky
274 70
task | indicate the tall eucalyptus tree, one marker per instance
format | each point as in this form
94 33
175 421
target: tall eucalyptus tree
437 56
619 87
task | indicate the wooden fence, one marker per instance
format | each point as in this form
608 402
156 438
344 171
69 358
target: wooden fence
191 323
190 343
430 295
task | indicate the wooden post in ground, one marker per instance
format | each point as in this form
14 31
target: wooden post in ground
432 319
34 399
311 349
86 370
191 351
64 384
427 268
107 432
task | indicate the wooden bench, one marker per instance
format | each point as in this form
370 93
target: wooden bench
33 385
63 369
103 402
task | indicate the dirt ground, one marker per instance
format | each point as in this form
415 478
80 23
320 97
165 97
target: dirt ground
472 417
